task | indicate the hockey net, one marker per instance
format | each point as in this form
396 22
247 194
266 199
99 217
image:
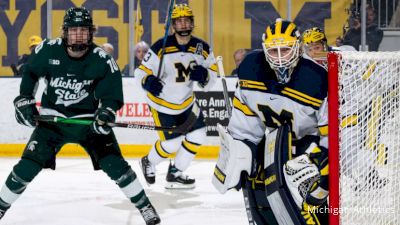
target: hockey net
364 138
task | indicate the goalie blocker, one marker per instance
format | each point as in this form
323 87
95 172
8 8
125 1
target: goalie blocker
270 198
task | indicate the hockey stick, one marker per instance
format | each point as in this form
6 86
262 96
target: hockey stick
245 190
183 128
278 150
167 25
224 86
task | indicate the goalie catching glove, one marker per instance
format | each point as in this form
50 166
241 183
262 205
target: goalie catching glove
25 110
101 118
304 178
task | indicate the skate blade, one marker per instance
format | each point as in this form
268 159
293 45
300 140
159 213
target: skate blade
175 185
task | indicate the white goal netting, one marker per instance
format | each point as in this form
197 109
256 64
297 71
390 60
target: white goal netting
369 138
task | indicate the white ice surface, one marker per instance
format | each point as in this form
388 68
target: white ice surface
75 194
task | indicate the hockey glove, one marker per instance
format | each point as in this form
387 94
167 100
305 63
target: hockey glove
25 110
300 174
153 85
199 74
303 178
101 118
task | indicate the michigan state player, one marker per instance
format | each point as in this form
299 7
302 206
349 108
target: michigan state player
83 81
187 61
276 87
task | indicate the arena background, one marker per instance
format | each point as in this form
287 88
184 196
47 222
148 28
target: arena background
236 24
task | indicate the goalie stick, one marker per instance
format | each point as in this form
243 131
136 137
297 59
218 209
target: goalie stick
228 107
221 72
183 128
278 150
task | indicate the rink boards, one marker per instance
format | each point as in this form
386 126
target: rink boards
134 143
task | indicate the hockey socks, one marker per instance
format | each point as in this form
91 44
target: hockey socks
119 171
16 183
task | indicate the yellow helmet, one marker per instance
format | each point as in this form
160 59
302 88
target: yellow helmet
313 35
34 40
315 45
181 10
281 45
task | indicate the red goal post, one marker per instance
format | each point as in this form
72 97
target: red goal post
364 137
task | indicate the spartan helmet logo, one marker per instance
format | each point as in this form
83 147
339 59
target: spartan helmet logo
31 145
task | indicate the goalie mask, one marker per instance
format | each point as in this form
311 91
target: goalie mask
78 29
182 19
281 45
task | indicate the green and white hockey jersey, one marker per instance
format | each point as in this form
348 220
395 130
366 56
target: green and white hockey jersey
177 93
76 87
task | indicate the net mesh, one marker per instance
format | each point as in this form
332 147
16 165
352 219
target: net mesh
369 138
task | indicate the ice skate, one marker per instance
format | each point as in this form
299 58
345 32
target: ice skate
148 170
2 212
177 180
150 215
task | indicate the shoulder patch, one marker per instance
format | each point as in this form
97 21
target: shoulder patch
199 47
100 52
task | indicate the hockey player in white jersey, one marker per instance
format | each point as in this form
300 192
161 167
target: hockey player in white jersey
277 86
188 61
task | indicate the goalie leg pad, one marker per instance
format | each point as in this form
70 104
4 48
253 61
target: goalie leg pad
234 158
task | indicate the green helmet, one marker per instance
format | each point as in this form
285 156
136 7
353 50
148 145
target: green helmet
78 17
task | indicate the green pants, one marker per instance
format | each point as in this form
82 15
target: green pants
48 138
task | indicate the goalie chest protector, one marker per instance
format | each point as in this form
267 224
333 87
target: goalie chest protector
295 102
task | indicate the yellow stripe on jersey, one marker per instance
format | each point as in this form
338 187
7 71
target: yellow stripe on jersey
323 130
157 122
170 105
252 85
168 50
242 107
203 52
146 70
161 151
301 97
349 121
191 147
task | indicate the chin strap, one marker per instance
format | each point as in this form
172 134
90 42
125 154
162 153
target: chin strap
184 33
78 47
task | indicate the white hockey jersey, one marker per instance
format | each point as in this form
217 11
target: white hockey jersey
177 93
262 103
